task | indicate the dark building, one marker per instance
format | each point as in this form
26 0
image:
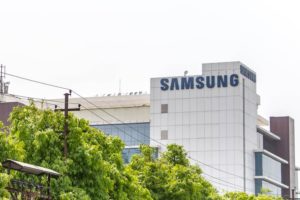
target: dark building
5 110
285 149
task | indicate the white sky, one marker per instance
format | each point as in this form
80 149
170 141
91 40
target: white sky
90 46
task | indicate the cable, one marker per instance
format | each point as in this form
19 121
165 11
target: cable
51 85
39 82
39 100
233 185
56 101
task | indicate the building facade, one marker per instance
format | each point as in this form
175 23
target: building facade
214 116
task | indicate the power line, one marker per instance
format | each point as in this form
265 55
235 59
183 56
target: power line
39 100
52 85
231 185
39 82
57 101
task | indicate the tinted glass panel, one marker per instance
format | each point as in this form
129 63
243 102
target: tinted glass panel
129 152
271 168
132 134
266 166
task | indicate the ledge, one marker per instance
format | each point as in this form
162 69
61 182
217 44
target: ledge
275 157
272 181
267 133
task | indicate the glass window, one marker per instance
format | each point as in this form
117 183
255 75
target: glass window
131 133
266 187
271 168
130 151
271 189
267 166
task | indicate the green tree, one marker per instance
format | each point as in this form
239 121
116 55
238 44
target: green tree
4 180
244 196
171 176
9 148
94 168
238 196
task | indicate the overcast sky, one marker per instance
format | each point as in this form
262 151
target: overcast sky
92 46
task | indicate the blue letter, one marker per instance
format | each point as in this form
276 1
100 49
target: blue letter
234 80
174 83
199 81
222 81
210 81
187 83
164 84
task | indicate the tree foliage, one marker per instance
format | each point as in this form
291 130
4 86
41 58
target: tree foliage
4 180
94 168
244 196
171 176
9 148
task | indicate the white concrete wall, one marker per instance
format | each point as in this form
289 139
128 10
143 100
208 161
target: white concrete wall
125 115
209 124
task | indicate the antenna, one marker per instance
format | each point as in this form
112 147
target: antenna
2 79
120 84
6 84
185 72
3 85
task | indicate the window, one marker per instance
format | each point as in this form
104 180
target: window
164 135
131 133
164 108
267 166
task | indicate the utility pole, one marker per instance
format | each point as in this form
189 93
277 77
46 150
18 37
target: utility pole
293 194
66 122
1 79
3 85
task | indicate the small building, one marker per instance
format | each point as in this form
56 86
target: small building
5 110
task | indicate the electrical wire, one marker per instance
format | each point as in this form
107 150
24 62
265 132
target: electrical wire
233 186
39 82
39 100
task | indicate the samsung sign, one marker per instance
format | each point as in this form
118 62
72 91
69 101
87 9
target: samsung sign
199 82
